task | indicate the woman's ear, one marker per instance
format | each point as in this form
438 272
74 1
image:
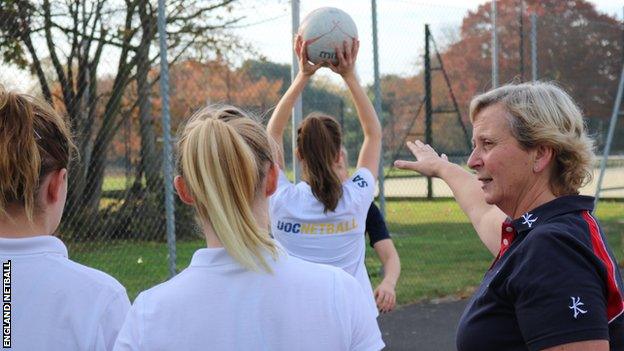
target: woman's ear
271 179
543 156
56 186
180 185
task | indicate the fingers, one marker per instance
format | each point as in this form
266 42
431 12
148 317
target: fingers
419 149
401 164
355 48
380 297
304 52
340 55
414 148
346 50
428 162
391 303
298 43
385 300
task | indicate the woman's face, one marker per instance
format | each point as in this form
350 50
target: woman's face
502 166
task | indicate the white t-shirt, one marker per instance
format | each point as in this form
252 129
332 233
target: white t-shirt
336 238
58 304
216 304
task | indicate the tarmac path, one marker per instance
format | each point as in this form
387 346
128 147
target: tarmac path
423 326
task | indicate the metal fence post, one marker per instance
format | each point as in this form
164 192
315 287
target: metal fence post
614 117
298 108
428 104
377 85
494 47
167 149
534 46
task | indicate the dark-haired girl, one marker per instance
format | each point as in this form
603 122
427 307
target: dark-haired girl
322 219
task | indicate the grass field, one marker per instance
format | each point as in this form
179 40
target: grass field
440 252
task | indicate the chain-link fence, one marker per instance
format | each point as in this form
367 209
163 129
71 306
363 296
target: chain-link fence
97 61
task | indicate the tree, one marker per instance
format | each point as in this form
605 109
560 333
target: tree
79 37
578 48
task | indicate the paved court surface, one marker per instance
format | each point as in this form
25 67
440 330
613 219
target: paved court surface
422 327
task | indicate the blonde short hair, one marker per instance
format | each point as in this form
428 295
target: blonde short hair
543 114
223 155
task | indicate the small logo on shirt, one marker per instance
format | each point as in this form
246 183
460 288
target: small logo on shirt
576 306
360 181
527 219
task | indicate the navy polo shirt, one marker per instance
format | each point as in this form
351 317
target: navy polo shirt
555 281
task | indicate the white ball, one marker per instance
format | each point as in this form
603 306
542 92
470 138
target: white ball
324 29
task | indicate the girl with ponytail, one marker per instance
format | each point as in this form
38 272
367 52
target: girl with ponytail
55 303
243 291
322 219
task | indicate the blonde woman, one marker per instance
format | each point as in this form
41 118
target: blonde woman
55 303
243 292
554 283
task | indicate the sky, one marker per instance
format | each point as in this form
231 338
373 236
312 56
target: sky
400 28
268 26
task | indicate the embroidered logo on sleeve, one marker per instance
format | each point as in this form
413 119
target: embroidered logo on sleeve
360 181
576 306
528 220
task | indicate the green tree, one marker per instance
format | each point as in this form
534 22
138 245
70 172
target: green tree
81 39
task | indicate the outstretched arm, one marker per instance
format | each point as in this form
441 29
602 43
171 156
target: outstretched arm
371 146
485 218
281 114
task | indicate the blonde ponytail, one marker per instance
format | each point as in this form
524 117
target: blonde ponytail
222 158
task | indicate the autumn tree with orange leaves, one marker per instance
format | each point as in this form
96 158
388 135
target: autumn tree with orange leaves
578 48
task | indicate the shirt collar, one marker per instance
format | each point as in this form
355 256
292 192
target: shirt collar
207 257
218 256
33 245
556 207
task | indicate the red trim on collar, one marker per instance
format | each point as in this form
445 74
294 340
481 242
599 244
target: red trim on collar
508 234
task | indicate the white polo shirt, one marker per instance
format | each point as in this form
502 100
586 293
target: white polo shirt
58 304
336 238
216 304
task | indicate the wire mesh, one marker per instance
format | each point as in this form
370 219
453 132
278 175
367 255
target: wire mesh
102 72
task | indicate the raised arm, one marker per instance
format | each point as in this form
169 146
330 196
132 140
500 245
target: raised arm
371 146
485 218
281 114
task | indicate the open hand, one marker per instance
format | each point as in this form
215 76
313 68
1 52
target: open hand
301 49
428 162
346 55
385 297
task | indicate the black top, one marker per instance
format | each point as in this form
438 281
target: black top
555 281
376 225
